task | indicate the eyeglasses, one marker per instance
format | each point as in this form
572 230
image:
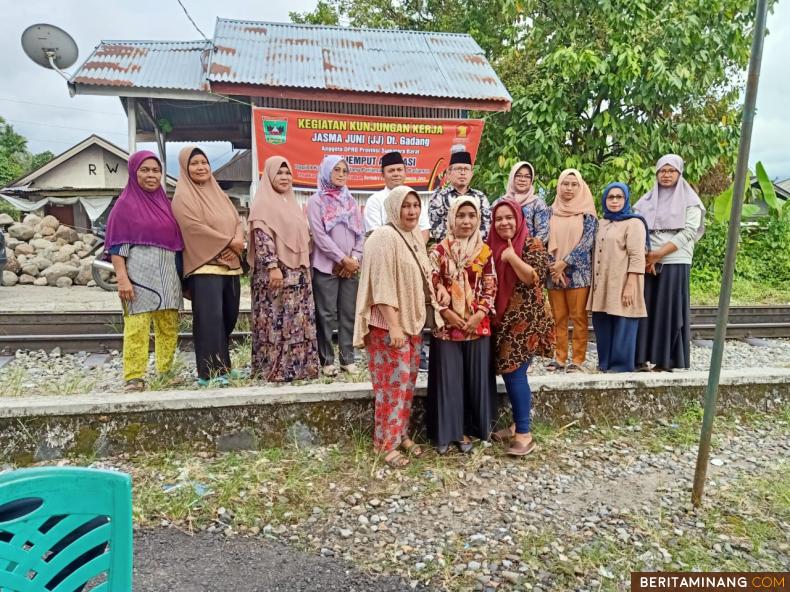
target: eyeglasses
145 171
523 177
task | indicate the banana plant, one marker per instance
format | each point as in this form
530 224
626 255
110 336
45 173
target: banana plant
722 203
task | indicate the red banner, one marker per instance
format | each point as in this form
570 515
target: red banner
305 137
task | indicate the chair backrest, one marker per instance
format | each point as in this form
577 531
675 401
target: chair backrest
65 530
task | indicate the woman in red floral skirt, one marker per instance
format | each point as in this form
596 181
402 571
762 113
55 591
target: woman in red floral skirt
391 313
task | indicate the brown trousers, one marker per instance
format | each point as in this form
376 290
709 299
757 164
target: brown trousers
570 302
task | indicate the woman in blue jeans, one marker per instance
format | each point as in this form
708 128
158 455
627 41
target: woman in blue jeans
522 327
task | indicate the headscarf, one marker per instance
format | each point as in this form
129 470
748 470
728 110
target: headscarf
566 225
392 207
510 192
336 204
506 277
626 213
208 219
389 273
664 208
461 252
141 217
279 216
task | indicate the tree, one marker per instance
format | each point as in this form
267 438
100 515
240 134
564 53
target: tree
605 86
13 150
324 14
15 159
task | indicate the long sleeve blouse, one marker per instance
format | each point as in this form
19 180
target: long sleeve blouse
481 278
578 274
331 246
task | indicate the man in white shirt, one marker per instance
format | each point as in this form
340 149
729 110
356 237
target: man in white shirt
393 170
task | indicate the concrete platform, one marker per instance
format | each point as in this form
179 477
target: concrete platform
39 428
50 299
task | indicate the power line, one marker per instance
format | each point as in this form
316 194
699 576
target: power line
194 24
83 129
59 107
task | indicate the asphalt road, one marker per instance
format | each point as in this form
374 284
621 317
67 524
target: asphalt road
166 560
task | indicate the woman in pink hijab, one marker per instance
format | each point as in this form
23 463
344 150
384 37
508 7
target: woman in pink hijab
676 218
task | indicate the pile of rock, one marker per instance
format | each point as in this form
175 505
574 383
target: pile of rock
44 252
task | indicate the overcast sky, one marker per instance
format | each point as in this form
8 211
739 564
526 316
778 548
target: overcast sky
36 101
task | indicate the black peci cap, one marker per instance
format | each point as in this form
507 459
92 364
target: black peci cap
391 158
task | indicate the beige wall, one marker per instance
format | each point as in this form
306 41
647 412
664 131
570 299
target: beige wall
93 167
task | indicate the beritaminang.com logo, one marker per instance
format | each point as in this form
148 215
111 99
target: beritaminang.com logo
710 581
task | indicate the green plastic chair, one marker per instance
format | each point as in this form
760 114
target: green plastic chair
65 530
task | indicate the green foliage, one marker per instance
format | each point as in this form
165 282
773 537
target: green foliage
762 269
722 203
13 149
768 190
324 14
15 159
7 208
604 86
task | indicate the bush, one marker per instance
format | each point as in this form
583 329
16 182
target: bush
7 208
762 267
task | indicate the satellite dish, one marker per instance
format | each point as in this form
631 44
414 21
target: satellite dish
49 46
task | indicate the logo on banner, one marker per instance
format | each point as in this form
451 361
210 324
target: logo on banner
275 130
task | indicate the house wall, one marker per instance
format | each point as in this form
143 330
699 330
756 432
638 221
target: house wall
93 167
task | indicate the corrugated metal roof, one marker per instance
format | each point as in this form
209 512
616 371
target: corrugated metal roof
357 60
177 65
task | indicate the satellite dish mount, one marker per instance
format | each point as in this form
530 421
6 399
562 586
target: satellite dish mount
50 47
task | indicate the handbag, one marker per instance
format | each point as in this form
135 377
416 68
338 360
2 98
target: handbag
430 313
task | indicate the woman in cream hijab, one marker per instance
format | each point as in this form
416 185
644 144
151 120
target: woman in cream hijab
213 242
571 235
284 343
390 316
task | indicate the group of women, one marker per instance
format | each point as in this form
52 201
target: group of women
491 305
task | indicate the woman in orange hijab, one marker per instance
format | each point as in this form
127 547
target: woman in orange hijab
213 242
284 341
571 235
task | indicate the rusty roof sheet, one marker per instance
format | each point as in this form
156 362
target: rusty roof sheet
177 65
358 60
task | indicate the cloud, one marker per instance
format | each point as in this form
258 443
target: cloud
771 122
37 104
36 100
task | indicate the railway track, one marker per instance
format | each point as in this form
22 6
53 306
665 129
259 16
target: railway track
102 331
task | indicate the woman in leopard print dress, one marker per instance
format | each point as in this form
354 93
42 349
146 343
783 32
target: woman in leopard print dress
522 326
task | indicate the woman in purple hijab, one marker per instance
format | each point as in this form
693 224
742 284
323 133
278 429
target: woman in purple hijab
143 240
676 218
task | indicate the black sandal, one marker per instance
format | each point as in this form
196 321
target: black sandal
554 366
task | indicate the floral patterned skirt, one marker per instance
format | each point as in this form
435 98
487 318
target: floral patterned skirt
393 373
284 344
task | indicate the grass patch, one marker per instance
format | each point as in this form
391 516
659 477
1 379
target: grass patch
745 292
12 381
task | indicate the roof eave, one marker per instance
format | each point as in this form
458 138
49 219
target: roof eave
76 88
345 96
